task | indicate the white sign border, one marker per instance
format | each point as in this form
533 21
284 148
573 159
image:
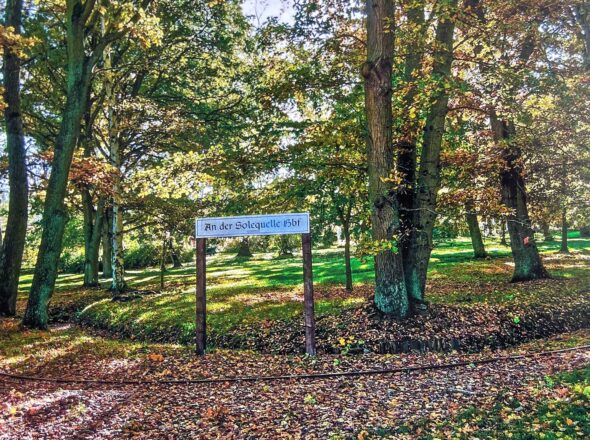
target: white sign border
254 216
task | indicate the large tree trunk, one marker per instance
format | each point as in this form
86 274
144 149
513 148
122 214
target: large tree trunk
527 261
347 262
11 251
107 249
390 289
417 253
407 147
479 250
54 214
564 231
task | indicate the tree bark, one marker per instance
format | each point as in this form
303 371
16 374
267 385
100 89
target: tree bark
93 219
547 236
12 248
479 250
503 232
417 252
391 296
564 231
527 261
244 250
174 254
118 284
347 262
107 250
163 261
54 218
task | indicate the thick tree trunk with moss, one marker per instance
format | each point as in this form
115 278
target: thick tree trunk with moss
391 296
564 231
416 254
12 247
479 250
54 214
527 261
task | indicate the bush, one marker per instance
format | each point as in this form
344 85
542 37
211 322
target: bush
286 245
142 255
585 231
71 263
328 239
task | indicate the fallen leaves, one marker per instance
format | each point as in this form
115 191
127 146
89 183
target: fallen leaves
155 357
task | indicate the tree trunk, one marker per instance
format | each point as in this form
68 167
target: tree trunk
564 230
527 261
107 249
417 253
118 284
244 250
93 219
391 296
503 232
54 213
163 262
11 251
479 250
174 254
347 263
547 236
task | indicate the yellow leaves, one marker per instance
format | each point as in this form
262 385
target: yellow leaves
17 43
362 435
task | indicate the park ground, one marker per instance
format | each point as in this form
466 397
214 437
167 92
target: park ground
255 328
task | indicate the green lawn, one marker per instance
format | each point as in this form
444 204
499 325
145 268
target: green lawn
264 288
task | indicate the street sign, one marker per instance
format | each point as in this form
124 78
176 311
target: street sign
268 224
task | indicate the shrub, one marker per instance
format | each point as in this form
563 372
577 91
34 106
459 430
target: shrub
329 237
142 255
71 263
585 231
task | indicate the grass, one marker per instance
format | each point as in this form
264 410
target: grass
263 289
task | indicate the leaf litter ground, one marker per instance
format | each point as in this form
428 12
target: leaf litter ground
357 407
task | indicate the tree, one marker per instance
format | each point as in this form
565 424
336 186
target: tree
391 296
12 247
83 53
404 202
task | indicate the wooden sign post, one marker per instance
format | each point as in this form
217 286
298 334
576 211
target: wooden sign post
272 224
201 316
